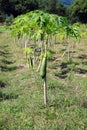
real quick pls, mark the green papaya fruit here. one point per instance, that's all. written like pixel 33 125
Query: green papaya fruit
pixel 43 67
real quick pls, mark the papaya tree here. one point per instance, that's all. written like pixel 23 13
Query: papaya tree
pixel 38 26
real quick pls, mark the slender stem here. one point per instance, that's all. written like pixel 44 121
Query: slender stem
pixel 34 56
pixel 39 66
pixel 45 92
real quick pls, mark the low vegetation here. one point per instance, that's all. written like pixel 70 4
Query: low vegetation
pixel 21 88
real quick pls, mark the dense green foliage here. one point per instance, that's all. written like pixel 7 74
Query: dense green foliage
pixel 40 24
pixel 76 12
pixel 16 7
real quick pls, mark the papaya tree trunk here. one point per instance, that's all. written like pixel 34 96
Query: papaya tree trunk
pixel 42 49
pixel 45 92
pixel 68 53
pixel 34 54
pixel 39 66
pixel 26 44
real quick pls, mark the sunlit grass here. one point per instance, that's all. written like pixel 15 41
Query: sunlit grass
pixel 21 90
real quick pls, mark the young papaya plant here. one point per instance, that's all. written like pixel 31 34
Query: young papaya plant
pixel 29 51
pixel 40 26
pixel 71 32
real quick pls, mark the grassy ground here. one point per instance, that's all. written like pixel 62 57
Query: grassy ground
pixel 21 90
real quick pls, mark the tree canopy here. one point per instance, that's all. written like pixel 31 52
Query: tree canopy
pixel 78 11
pixel 17 7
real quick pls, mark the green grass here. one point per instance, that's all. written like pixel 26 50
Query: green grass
pixel 21 90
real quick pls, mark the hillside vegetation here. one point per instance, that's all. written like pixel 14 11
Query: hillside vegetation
pixel 21 87
pixel 75 11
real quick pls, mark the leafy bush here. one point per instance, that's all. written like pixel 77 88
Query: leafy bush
pixel 2 17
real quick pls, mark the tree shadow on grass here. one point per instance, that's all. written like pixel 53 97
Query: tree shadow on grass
pixel 67 67
pixel 68 63
pixel 4 53
pixel 84 104
pixel 80 70
pixel 2 84
pixel 7 68
pixel 83 56
pixel 4 96
pixel 62 74
pixel 6 64
pixel 4 50
pixel 5 61
pixel 84 62
pixel 63 71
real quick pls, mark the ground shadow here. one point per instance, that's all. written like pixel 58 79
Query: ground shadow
pixel 84 104
pixel 83 56
pixel 67 67
pixel 4 96
pixel 5 61
pixel 84 62
pixel 80 70
pixel 62 73
pixel 4 52
pixel 2 84
pixel 8 68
